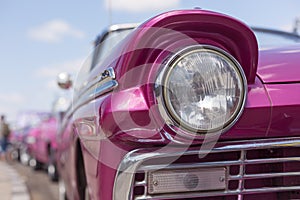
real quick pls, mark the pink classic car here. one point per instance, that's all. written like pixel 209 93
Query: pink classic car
pixel 42 145
pixel 19 138
pixel 185 106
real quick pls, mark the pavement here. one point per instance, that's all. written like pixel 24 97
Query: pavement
pixel 12 185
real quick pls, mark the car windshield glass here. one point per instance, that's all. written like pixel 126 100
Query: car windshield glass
pixel 109 41
pixel 268 38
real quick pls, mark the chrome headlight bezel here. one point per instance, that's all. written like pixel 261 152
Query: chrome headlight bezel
pixel 167 111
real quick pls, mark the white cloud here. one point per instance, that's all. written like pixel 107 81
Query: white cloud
pixel 54 31
pixel 141 5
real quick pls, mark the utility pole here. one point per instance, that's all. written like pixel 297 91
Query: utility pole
pixel 110 12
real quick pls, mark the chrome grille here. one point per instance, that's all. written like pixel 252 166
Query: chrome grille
pixel 269 168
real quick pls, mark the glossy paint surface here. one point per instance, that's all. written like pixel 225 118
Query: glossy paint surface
pixel 285 109
pixel 139 58
pixel 174 30
pixel 45 140
pixel 134 121
pixel 31 139
pixel 216 29
pixel 279 65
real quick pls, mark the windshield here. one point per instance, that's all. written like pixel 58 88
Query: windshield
pixel 265 37
pixel 107 42
pixel 274 38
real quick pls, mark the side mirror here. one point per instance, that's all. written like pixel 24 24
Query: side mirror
pixel 64 80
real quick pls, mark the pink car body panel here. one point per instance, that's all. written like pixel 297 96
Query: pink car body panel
pixel 33 135
pixel 279 65
pixel 45 140
pixel 272 110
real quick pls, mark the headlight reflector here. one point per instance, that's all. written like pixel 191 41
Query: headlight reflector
pixel 203 89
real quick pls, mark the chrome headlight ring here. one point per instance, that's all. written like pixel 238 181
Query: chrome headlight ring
pixel 201 89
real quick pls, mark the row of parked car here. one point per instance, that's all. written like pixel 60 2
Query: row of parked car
pixel 186 105
pixel 34 138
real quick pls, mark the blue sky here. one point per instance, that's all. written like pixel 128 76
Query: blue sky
pixel 41 38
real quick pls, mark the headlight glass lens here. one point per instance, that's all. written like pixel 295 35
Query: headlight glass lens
pixel 204 89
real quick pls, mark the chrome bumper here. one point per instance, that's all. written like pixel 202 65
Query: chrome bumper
pixel 135 161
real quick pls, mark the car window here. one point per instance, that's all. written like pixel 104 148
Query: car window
pixel 274 38
pixel 81 76
pixel 107 43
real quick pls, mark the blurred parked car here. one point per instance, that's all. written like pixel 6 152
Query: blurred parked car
pixel 24 123
pixel 42 139
pixel 42 147
pixel 185 106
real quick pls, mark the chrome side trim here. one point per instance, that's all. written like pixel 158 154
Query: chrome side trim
pixel 108 73
pixel 133 162
pixel 99 86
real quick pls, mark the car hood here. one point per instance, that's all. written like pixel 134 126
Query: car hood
pixel 279 65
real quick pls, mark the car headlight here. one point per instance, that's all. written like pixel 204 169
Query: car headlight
pixel 202 89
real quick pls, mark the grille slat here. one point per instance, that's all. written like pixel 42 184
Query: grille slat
pixel 211 194
pixel 271 160
pixel 142 183
pixel 266 173
pixel 222 163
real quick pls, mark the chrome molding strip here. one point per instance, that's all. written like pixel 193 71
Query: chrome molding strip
pixel 96 91
pixel 108 73
pixel 99 86
pixel 132 163
pixel 211 194
pixel 266 175
pixel 222 163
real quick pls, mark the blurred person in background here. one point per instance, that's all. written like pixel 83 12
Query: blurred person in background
pixel 4 135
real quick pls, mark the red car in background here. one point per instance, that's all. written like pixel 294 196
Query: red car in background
pixel 184 106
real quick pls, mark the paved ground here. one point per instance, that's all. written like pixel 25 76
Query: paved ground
pixel 39 185
pixel 19 182
pixel 12 185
